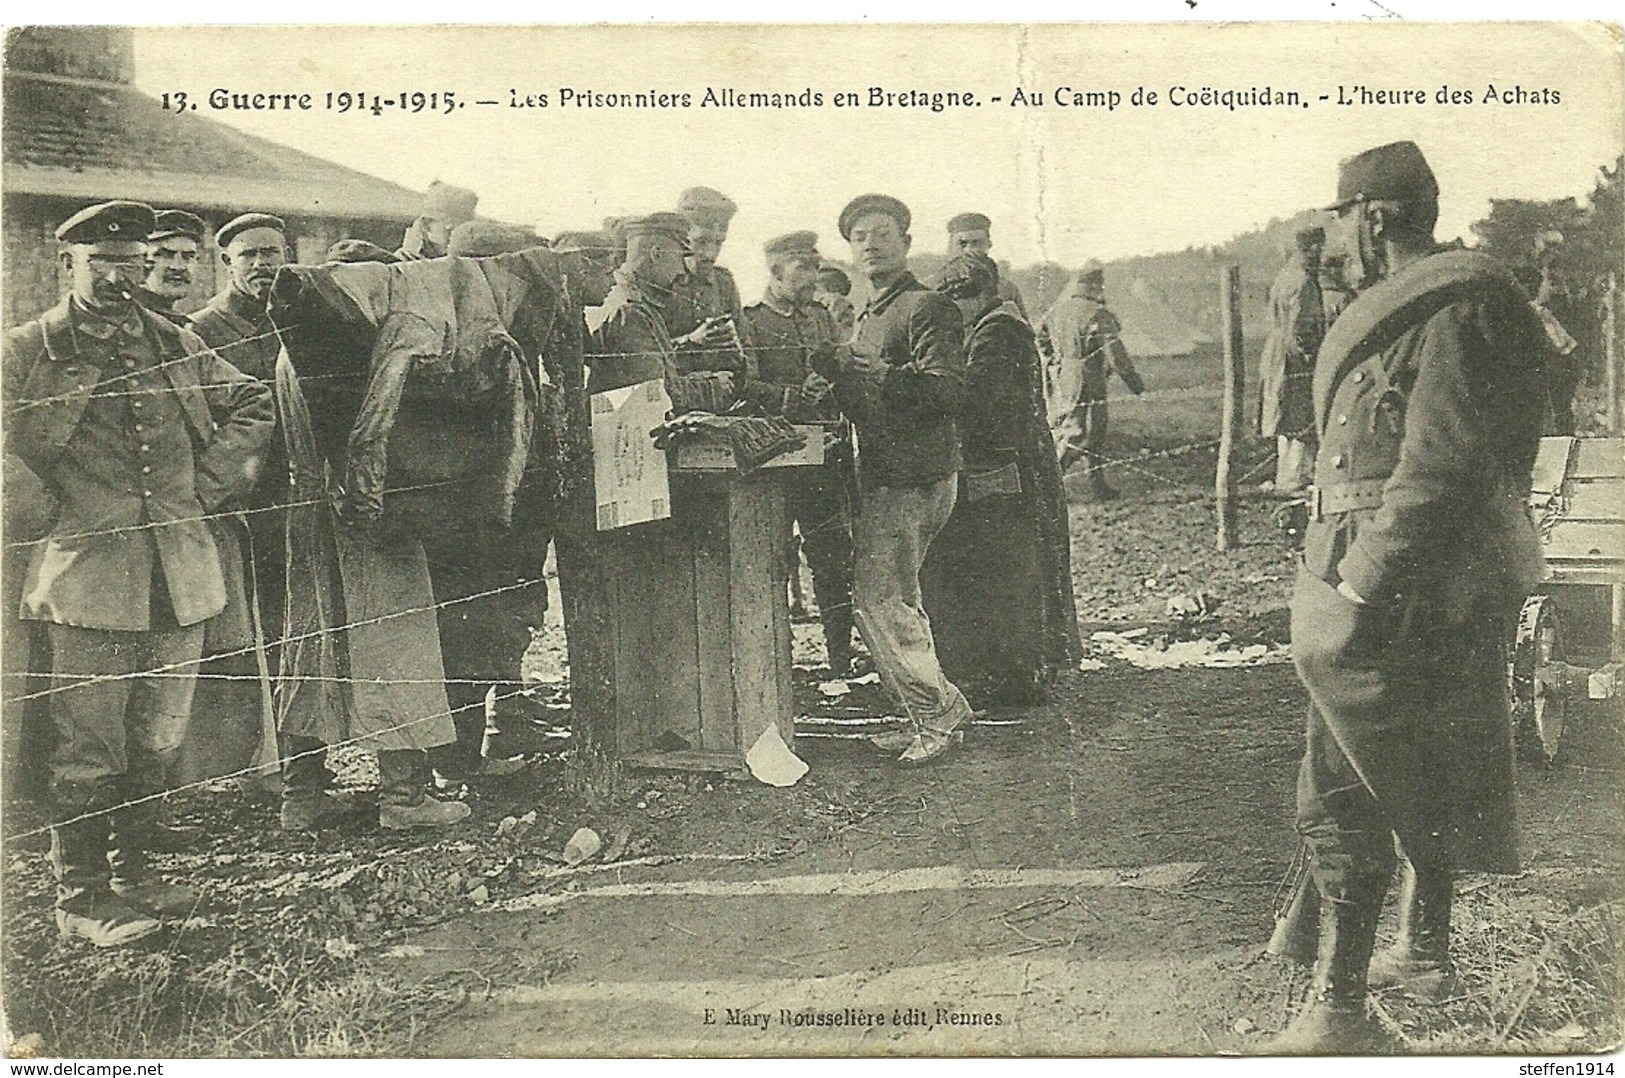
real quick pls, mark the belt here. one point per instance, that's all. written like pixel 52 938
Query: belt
pixel 1346 497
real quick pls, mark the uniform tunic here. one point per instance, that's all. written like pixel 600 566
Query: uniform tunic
pixel 694 297
pixel 781 338
pixel 138 431
pixel 1428 407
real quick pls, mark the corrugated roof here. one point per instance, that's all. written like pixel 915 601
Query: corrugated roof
pixel 77 138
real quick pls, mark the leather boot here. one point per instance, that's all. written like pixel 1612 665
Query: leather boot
pixel 838 641
pixel 132 877
pixel 1419 961
pixel 307 802
pixel 1335 1020
pixel 404 801
pixel 85 907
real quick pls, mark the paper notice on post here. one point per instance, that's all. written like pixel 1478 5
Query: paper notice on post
pixel 629 472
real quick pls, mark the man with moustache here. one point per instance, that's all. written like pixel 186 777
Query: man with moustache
pixel 902 384
pixel 1428 406
pixel 253 246
pixel 632 342
pixel 172 252
pixel 128 431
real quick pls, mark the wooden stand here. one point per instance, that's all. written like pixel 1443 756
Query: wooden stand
pixel 688 648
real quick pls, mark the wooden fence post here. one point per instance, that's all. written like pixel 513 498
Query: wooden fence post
pixel 1611 356
pixel 1224 481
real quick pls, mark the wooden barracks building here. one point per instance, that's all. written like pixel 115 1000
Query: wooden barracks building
pixel 77 131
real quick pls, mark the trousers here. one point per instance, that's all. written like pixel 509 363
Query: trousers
pixel 116 736
pixel 891 534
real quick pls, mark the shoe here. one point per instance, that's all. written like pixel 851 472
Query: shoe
pixel 314 813
pixel 1327 1027
pixel 891 742
pixel 105 920
pixel 1428 980
pixel 496 767
pixel 158 898
pixel 930 747
pixel 426 813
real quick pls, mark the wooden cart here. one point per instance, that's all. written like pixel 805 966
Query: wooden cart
pixel 1569 635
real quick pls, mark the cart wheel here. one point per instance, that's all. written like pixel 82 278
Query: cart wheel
pixel 1538 713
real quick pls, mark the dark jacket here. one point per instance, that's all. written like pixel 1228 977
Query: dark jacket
pixel 631 343
pixel 905 412
pixel 238 328
pixel 1081 342
pixel 694 297
pixel 94 567
pixel 780 340
pixel 1428 399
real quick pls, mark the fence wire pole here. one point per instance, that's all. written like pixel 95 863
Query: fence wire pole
pixel 1224 481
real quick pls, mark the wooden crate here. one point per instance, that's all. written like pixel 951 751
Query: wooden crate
pixel 697 626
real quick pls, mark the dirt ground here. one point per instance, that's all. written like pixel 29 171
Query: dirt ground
pixel 1093 876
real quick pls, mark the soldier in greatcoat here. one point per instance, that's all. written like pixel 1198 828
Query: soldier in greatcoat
pixel 126 431
pixel 1428 406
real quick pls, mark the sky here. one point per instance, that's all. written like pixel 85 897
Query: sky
pixel 1062 182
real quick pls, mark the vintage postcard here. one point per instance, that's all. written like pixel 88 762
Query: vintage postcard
pixel 815 540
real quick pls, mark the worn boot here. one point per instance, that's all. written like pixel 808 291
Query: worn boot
pixel 404 802
pixel 1335 1020
pixel 308 803
pixel 133 879
pixel 1419 961
pixel 85 907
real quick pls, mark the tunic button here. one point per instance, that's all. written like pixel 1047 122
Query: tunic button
pixel 1341 421
pixel 146 469
pixel 146 493
pixel 1359 376
pixel 145 447
pixel 1337 461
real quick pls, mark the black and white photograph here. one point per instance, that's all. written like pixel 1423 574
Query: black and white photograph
pixel 853 539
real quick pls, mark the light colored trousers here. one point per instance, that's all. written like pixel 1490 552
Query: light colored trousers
pixel 891 533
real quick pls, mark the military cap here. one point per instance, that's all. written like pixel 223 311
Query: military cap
pixel 130 221
pixel 167 223
pixel 1395 171
pixel 968 222
pixel 1311 237
pixel 1092 273
pixel 479 239
pixel 835 279
pixel 450 203
pixel 968 275
pixel 360 251
pixel 673 225
pixel 230 230
pixel 597 243
pixel 795 243
pixel 706 202
pixel 863 204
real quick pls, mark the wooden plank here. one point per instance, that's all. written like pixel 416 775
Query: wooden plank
pixel 727 763
pixel 751 598
pixel 1598 458
pixel 1586 542
pixel 1551 465
pixel 1593 499
pixel 718 720
pixel 709 451
pixel 782 642
pixel 656 646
